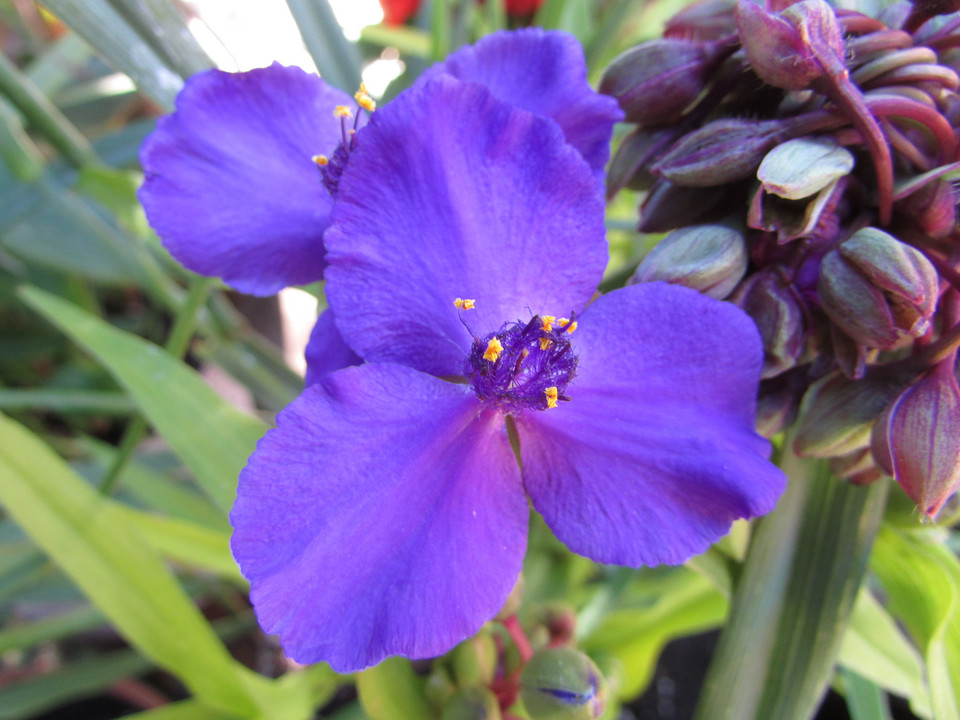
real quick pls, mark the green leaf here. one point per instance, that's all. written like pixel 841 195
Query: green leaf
pixel 104 402
pixel 687 603
pixel 876 650
pixel 865 700
pixel 183 710
pixel 922 581
pixel 22 637
pixel 160 24
pixel 212 437
pixel 121 46
pixel 408 40
pixel 393 691
pixel 90 538
pixel 801 576
pixel 337 59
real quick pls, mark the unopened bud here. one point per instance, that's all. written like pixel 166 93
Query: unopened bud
pixel 932 209
pixel 778 400
pixel 711 259
pixel 638 149
pixel 471 703
pixel 837 413
pixel 879 290
pixel 775 309
pixel 719 152
pixel 703 20
pixel 668 206
pixel 802 167
pixel 439 686
pixel 474 661
pixel 795 48
pixel 916 439
pixel 654 82
pixel 562 684
pixel 559 620
pixel 858 467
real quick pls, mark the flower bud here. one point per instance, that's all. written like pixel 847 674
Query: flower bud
pixel 474 661
pixel 654 82
pixel 562 684
pixel 932 209
pixel 778 400
pixel 858 467
pixel 558 619
pixel 916 439
pixel 879 290
pixel 668 206
pixel 793 49
pixel 471 703
pixel 836 413
pixel 719 152
pixel 439 685
pixel 711 259
pixel 703 20
pixel 775 309
pixel 639 147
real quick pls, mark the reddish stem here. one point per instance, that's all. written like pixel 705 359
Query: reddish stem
pixel 519 637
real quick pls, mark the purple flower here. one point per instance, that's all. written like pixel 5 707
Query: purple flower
pixel 232 187
pixel 387 513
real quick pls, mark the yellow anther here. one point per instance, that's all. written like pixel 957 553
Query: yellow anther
pixel 548 321
pixel 565 323
pixel 362 90
pixel 494 348
pixel 366 102
pixel 572 327
pixel 551 393
pixel 320 160
pixel 342 111
pixel 545 343
pixel 464 304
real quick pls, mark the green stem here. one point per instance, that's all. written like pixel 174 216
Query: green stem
pixel 176 345
pixel 44 115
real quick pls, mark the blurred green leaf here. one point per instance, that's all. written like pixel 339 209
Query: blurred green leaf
pixel 21 637
pixel 408 40
pixel 17 151
pixel 875 649
pixel 105 402
pixel 337 59
pixel 213 438
pixel 160 24
pixel 393 691
pixel 572 16
pixel 792 603
pixel 183 710
pixel 120 44
pixel 865 700
pixel 92 541
pixel 922 581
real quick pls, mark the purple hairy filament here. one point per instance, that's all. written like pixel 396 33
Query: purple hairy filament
pixel 524 366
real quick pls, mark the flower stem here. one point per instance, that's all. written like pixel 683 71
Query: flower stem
pixel 519 637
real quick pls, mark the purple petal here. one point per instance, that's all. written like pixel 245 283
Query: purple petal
pixel 326 351
pixel 385 515
pixel 544 72
pixel 655 455
pixel 453 193
pixel 231 187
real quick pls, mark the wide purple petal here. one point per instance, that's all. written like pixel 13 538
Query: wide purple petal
pixel 542 71
pixel 453 193
pixel 326 351
pixel 231 187
pixel 655 454
pixel 385 515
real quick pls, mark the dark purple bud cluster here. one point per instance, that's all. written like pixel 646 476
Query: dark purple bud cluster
pixel 827 140
pixel 524 366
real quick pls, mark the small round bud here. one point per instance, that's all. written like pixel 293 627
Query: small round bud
pixel 562 684
pixel 711 259
pixel 474 661
pixel 439 686
pixel 776 310
pixel 557 619
pixel 471 703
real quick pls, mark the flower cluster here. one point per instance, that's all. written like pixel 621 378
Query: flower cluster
pixel 804 154
pixel 461 243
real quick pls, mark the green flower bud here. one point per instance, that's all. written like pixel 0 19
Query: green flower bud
pixel 916 439
pixel 879 290
pixel 654 82
pixel 439 686
pixel 711 259
pixel 802 167
pixel 471 703
pixel 775 309
pixel 474 661
pixel 562 684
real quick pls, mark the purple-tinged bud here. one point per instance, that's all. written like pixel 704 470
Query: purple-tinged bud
pixel 668 206
pixel 720 152
pixel 558 619
pixel 703 20
pixel 858 467
pixel 471 703
pixel 932 209
pixel 711 259
pixel 794 49
pixel 916 439
pixel 879 290
pixel 836 413
pixel 562 684
pixel 778 400
pixel 776 310
pixel 656 81
pixel 639 148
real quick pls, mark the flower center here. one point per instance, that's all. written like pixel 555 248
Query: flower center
pixel 332 166
pixel 523 366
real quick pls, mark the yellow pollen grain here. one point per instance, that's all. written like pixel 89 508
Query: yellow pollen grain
pixel 545 343
pixel 494 348
pixel 548 321
pixel 320 160
pixel 551 393
pixel 342 111
pixel 464 304
pixel 565 323
pixel 572 327
pixel 366 102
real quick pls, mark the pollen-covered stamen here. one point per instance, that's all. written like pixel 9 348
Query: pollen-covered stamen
pixel 364 100
pixel 531 369
pixel 332 166
pixel 464 304
pixel 321 160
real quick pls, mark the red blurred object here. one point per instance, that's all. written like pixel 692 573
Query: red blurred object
pixel 397 12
